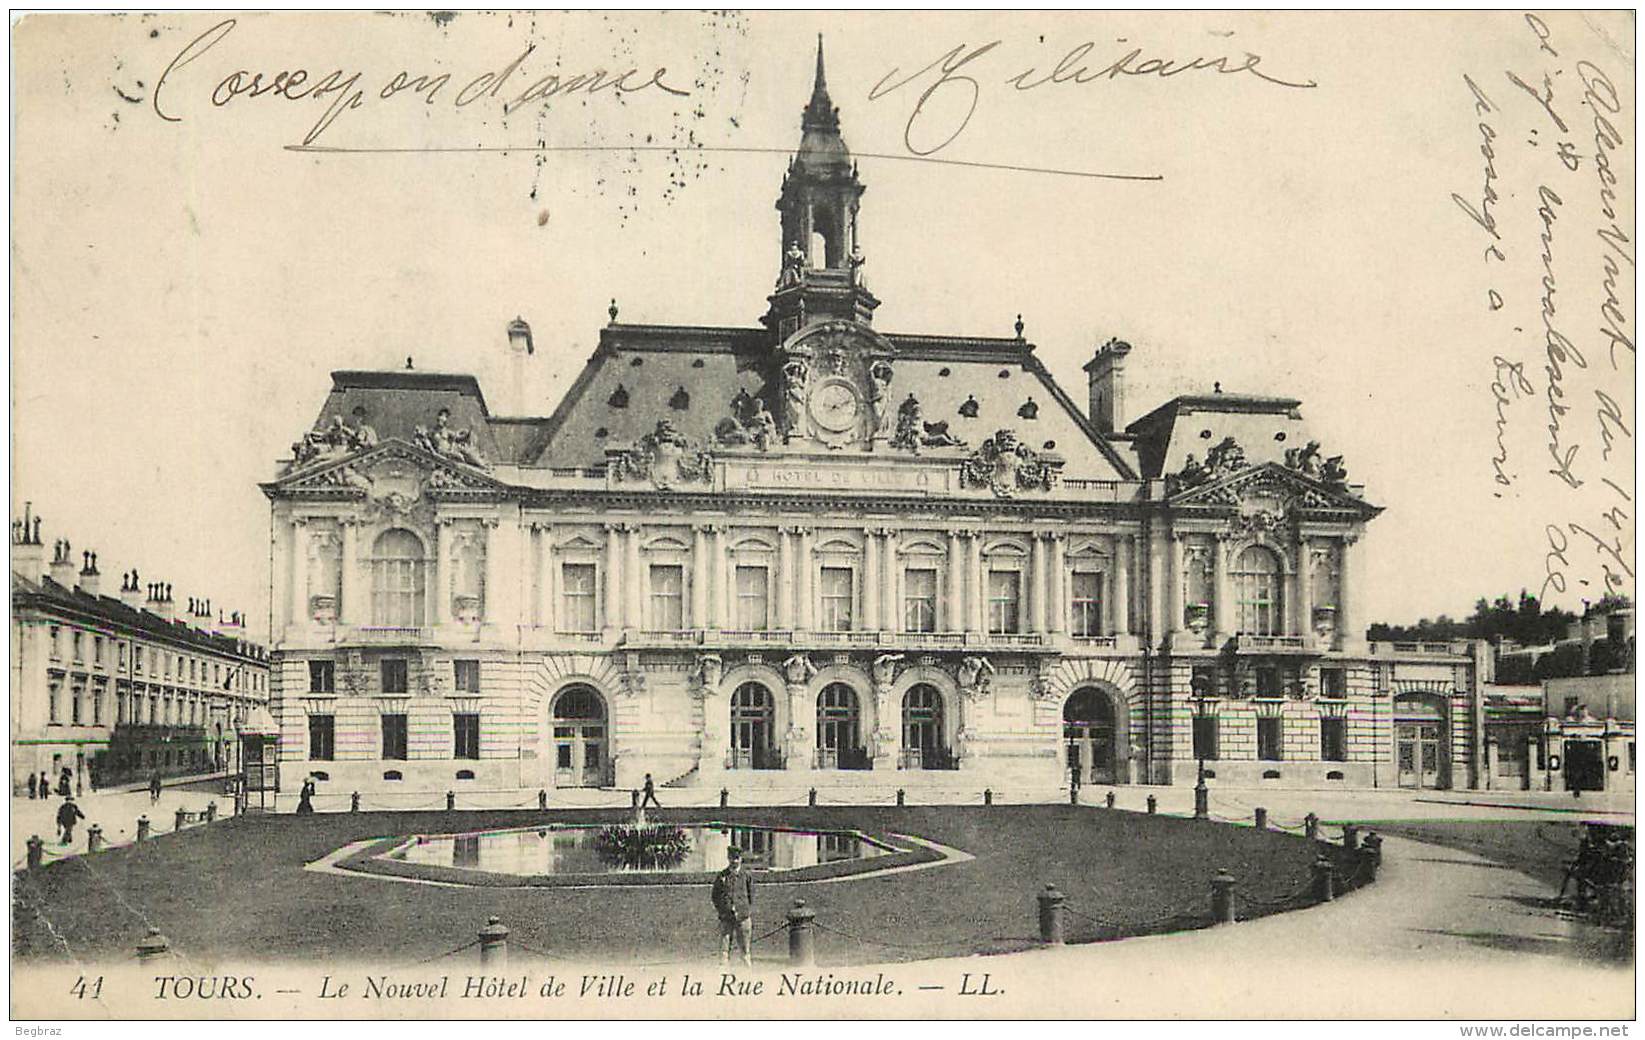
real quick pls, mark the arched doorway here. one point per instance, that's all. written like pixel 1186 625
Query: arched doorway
pixel 924 739
pixel 839 745
pixel 1088 732
pixel 753 722
pixel 1419 741
pixel 581 737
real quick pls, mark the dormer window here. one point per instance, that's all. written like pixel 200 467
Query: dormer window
pixel 619 397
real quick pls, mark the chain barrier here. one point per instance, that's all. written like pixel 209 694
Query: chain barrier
pixel 442 956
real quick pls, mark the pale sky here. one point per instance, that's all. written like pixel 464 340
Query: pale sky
pixel 181 290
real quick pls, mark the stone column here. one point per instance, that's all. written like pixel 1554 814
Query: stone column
pixel 498 607
pixel 438 583
pixel 348 611
pixel 543 535
pixel 785 580
pixel 888 581
pixel 977 606
pixel 1349 628
pixel 1037 583
pixel 870 579
pixel 633 579
pixel 1222 596
pixel 701 577
pixel 954 587
pixel 1056 605
pixel 1175 578
pixel 293 607
pixel 1122 586
pixel 1303 603
pixel 725 576
pixel 613 619
pixel 806 608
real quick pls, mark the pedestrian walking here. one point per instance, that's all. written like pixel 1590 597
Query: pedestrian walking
pixel 154 789
pixel 67 814
pixel 305 798
pixel 649 794
pixel 45 788
pixel 34 786
pixel 65 784
pixel 80 783
pixel 733 897
pixel 1075 775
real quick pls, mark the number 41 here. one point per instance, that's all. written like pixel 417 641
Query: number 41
pixel 80 989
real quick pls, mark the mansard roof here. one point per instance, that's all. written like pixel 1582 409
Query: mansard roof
pixel 1265 427
pixel 47 594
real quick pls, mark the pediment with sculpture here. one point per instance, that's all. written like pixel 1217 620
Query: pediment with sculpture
pixel 1265 495
pixel 392 478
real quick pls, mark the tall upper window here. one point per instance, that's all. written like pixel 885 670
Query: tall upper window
pixel 397 579
pixel 466 735
pixel 1257 588
pixel 79 694
pixel 466 676
pixel 394 675
pixel 837 599
pixel 577 591
pixel 1333 740
pixel 79 647
pixel 667 596
pixel 753 598
pixel 919 600
pixel 97 706
pixel 1270 741
pixel 1004 601
pixel 1086 603
pixel 1205 736
pixel 54 694
pixel 322 676
pixel 322 737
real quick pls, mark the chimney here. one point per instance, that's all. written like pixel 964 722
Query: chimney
pixel 233 625
pixel 90 580
pixel 159 600
pixel 62 563
pixel 131 593
pixel 1105 374
pixel 519 348
pixel 28 556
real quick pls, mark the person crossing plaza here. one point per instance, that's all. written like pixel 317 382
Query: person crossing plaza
pixel 67 816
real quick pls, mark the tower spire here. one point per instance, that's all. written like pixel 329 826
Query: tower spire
pixel 820 113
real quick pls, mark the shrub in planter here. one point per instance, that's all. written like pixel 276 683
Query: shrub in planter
pixel 642 848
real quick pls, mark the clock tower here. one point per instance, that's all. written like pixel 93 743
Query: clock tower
pixel 821 263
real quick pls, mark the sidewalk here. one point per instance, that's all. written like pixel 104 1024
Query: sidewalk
pixel 116 811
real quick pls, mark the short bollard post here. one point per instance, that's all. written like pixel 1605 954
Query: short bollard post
pixel 1350 837
pixel 239 801
pixel 182 816
pixel 633 799
pixel 811 797
pixel 94 838
pixel 494 944
pixel 1262 818
pixel 37 852
pixel 1372 844
pixel 1324 883
pixel 1222 897
pixel 354 802
pixel 153 945
pixel 142 828
pixel 211 812
pixel 1202 801
pixel 1310 827
pixel 1073 795
pixel 988 796
pixel 802 946
pixel 1051 901
pixel 1153 805
pixel 451 800
pixel 1109 801
pixel 902 796
pixel 725 798
pixel 542 799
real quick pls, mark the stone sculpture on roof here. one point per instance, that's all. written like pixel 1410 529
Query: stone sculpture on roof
pixel 449 442
pixel 1005 465
pixel 664 457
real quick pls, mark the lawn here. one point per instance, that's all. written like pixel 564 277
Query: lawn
pixel 237 890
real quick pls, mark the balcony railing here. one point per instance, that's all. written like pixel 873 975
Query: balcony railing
pixel 842 758
pixel 1453 648
pixel 389 635
pixel 1245 642
pixel 926 758
pixel 777 636
pixel 664 637
pixel 755 758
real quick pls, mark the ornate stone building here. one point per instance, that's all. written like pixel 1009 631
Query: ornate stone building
pixel 118 689
pixel 812 552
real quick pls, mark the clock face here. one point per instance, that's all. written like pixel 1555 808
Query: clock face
pixel 835 407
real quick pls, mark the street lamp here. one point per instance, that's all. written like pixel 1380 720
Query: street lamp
pixel 1202 794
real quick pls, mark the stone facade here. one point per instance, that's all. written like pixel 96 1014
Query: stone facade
pixel 118 689
pixel 810 552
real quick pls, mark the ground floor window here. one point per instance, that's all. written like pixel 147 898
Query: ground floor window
pixel 1205 737
pixel 1270 746
pixel 394 736
pixel 1333 740
pixel 466 728
pixel 322 737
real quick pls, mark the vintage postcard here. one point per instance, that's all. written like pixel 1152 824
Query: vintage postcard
pixel 984 515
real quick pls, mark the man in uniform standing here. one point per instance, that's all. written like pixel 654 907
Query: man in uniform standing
pixel 733 897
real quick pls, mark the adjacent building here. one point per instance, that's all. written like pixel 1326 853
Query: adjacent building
pixel 813 552
pixel 117 689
